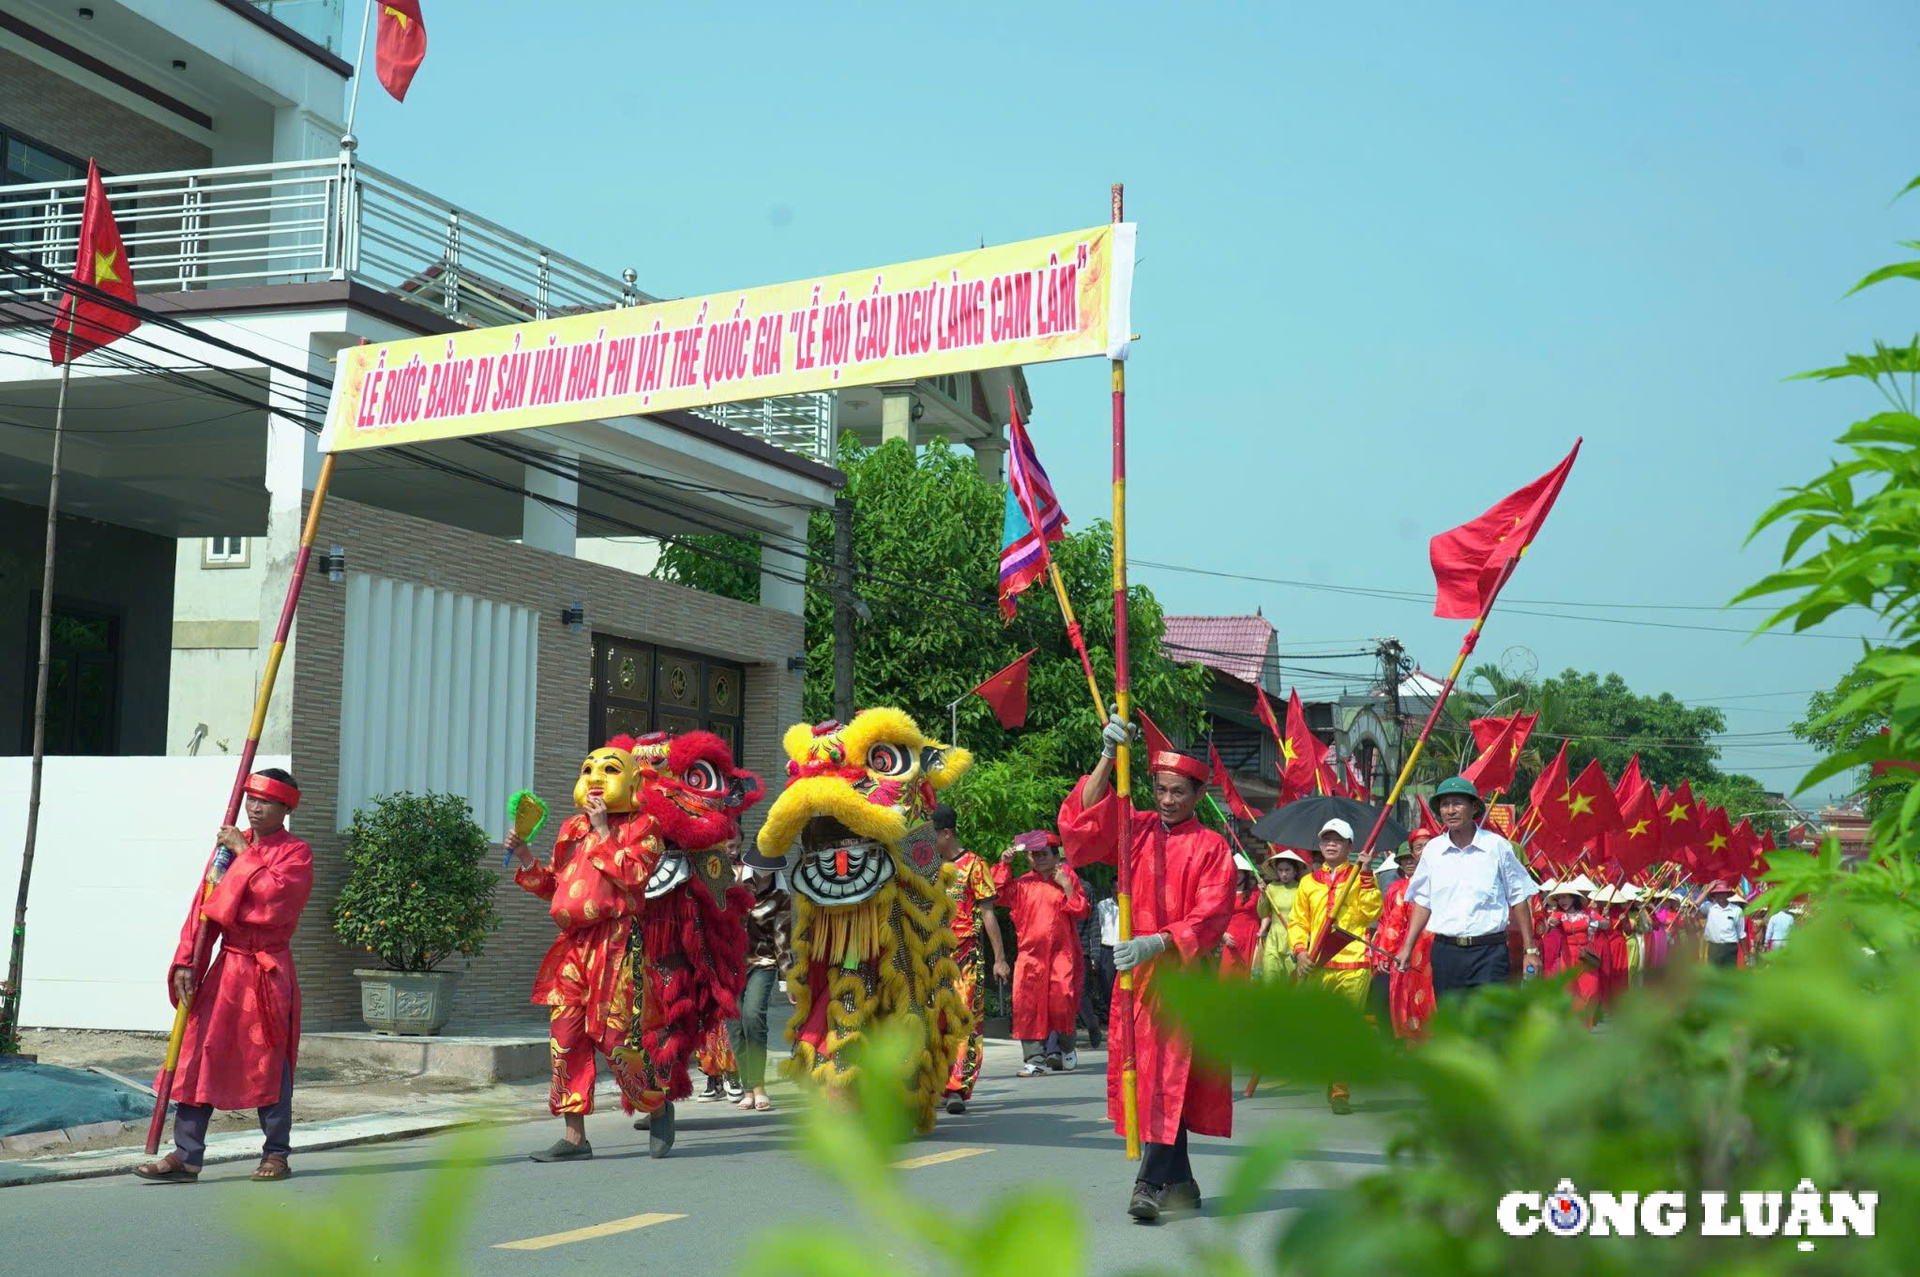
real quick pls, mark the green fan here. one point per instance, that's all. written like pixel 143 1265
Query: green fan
pixel 526 814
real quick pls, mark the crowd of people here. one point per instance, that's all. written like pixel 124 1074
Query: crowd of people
pixel 709 933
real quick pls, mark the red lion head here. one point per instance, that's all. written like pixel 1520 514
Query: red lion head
pixel 691 789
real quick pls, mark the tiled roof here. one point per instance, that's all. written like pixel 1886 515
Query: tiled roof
pixel 1237 646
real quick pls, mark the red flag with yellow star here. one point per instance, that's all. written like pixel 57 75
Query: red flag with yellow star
pixel 1471 561
pixel 1300 752
pixel 402 46
pixel 1230 791
pixel 84 322
pixel 1636 844
pixel 1588 807
pixel 1679 819
pixel 1500 741
pixel 1715 845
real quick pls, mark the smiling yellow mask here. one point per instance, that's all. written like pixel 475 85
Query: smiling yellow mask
pixel 611 771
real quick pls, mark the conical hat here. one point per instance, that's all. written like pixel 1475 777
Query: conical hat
pixel 1577 886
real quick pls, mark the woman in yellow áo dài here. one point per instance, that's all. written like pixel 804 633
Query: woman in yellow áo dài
pixel 1346 971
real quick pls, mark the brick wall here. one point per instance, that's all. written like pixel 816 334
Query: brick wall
pixel 397 546
pixel 51 109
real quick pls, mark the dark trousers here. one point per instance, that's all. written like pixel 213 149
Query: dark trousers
pixel 1092 1013
pixel 276 1123
pixel 1457 968
pixel 1055 1044
pixel 1164 1164
pixel 749 1032
pixel 1724 955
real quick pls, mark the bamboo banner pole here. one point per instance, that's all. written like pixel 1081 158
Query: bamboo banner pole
pixel 17 950
pixel 202 940
pixel 1122 695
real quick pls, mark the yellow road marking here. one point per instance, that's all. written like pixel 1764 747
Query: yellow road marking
pixel 591 1231
pixel 934 1159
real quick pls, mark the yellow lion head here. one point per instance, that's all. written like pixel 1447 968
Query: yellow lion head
pixel 858 803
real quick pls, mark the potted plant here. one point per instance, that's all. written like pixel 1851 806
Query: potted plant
pixel 417 893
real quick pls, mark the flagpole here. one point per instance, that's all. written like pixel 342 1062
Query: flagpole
pixel 17 951
pixel 1122 696
pixel 353 98
pixel 202 939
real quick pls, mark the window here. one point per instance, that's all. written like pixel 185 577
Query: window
pixel 224 552
pixel 30 163
pixel 437 694
pixel 83 680
pixel 639 688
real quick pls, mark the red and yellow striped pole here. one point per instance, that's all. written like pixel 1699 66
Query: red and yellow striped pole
pixel 163 1091
pixel 1123 886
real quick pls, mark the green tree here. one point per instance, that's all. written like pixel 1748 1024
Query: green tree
pixel 1834 733
pixel 926 549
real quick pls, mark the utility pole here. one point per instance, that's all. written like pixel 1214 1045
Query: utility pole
pixel 1390 653
pixel 843 609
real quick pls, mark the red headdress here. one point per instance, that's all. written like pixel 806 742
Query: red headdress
pixel 1181 765
pixel 274 791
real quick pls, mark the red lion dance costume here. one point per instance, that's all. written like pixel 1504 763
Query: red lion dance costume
pixel 688 946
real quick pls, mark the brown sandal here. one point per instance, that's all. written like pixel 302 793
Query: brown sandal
pixel 272 1166
pixel 168 1170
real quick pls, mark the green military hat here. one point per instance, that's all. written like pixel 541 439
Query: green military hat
pixel 1458 786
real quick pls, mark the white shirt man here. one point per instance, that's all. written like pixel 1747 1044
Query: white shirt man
pixel 1468 889
pixel 1724 927
pixel 1778 928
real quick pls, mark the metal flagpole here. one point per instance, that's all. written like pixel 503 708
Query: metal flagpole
pixel 17 952
pixel 202 939
pixel 1123 886
pixel 353 98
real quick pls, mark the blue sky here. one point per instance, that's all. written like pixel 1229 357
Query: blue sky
pixel 1394 258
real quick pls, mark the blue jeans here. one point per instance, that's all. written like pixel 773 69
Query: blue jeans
pixel 749 1032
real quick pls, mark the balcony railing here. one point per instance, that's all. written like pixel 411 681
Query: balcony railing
pixel 306 221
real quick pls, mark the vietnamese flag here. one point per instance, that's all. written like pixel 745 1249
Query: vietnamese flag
pixel 1715 846
pixel 1264 712
pixel 1235 803
pixel 1679 818
pixel 1472 561
pixel 1300 751
pixel 1636 844
pixel 1547 788
pixel 402 45
pixel 1630 780
pixel 83 322
pixel 1152 737
pixel 1500 742
pixel 1006 692
pixel 1588 807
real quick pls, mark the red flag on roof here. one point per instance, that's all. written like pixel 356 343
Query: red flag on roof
pixel 1471 561
pixel 84 322
pixel 402 45
pixel 1006 692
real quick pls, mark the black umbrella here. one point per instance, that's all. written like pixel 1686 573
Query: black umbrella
pixel 1298 823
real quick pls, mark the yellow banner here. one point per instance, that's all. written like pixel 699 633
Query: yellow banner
pixel 1060 297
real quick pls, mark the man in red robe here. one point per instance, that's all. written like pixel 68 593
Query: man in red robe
pixel 1182 887
pixel 601 862
pixel 1046 904
pixel 243 1023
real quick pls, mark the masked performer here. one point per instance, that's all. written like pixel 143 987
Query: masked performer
pixel 243 1027
pixel 689 944
pixel 600 860
pixel 873 941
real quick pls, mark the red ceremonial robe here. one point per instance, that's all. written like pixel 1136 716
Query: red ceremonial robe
pixel 1237 951
pixel 1182 884
pixel 1409 992
pixel 243 1030
pixel 1047 963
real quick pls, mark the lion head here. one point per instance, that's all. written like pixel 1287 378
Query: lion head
pixel 858 804
pixel 693 793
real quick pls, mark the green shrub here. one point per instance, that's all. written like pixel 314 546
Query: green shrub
pixel 417 889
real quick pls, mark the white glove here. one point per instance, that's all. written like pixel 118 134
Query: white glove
pixel 1116 733
pixel 1128 954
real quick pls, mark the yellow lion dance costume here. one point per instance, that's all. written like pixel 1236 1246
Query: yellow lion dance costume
pixel 873 938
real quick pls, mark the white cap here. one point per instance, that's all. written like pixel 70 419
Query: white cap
pixel 1338 826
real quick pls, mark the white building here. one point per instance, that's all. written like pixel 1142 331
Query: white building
pixel 435 655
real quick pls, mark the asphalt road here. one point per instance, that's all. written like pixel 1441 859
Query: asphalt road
pixel 731 1178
